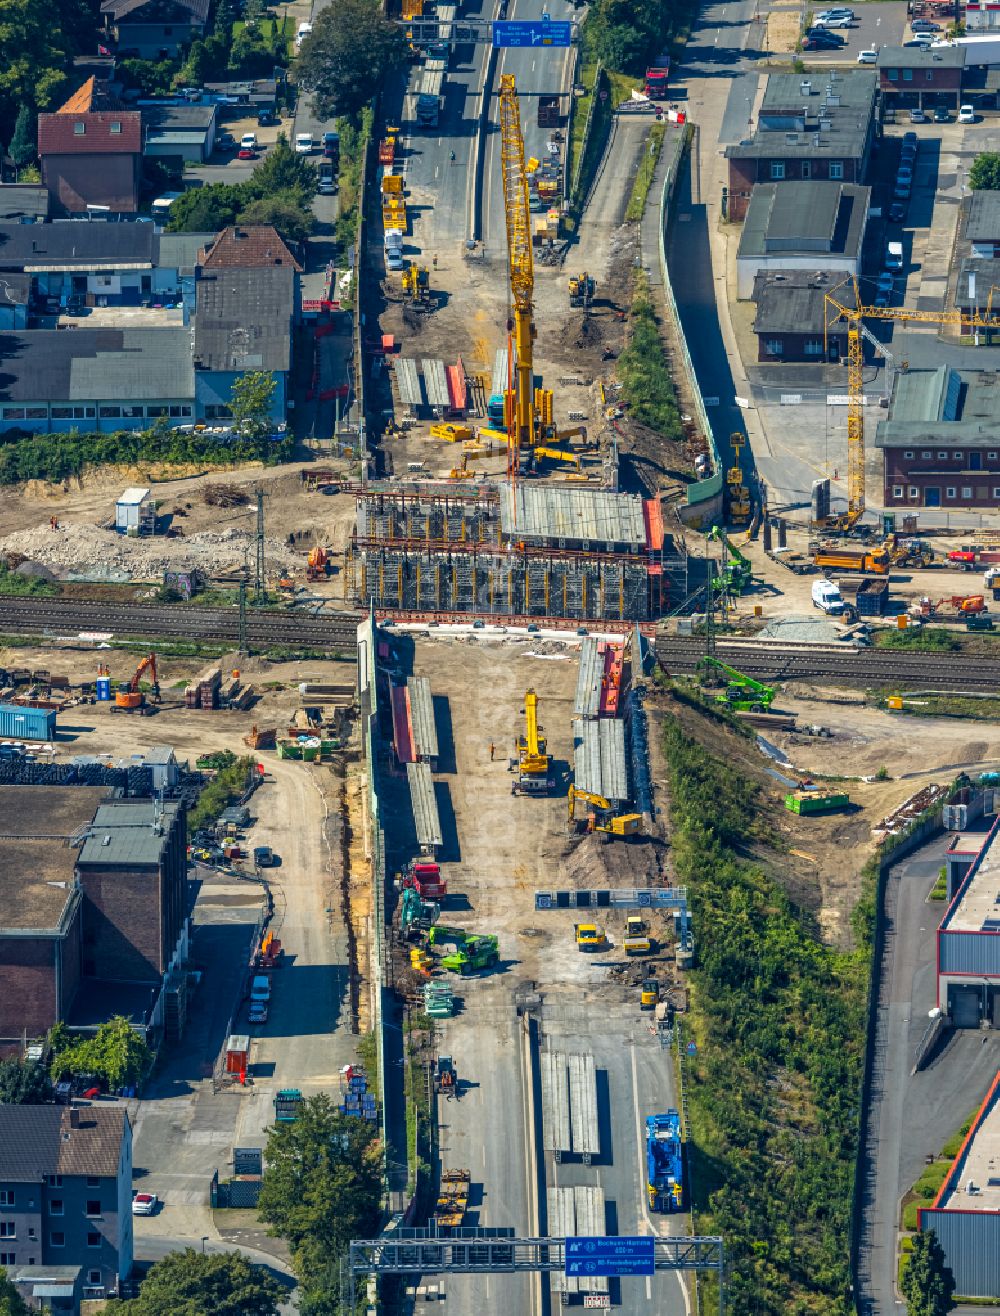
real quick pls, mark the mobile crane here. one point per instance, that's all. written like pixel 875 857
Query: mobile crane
pixel 601 816
pixel 742 693
pixel 736 574
pixel 129 697
pixel 533 759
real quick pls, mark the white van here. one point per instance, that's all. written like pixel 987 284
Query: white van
pixel 827 597
pixel 894 256
pixel 260 988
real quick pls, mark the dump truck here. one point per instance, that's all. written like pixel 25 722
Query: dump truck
pixel 589 937
pixel 548 111
pixel 453 1198
pixel 664 1162
pixel 425 878
pixel 429 93
pixel 841 557
pixel 657 77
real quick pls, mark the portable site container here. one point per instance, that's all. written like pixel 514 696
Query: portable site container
pixel 20 723
pixel 815 802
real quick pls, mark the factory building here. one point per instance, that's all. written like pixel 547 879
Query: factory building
pixel 968 940
pixel 521 550
pixel 965 1215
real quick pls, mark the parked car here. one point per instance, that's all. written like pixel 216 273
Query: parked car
pixel 838 11
pixel 304 30
pixel 825 34
pixel 924 25
pixel 941 114
pixel 867 56
pixel 326 178
pixel 246 153
pixel 966 114
pixel 225 142
pixel 839 20
pixel 918 116
pixel 915 42
pixel 304 144
pixel 395 261
pixel 911 139
pixel 145 1203
pixel 249 140
pixel 822 41
pixel 266 119
pixel 904 174
pixel 331 146
pixel 902 190
pixel 897 212
pixel 258 1013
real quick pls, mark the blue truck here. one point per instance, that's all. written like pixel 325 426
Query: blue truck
pixel 664 1162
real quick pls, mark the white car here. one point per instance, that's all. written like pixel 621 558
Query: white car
pixel 867 56
pixel 304 30
pixel 394 260
pixel 144 1203
pixel 966 114
pixel 248 142
pixel 304 144
pixel 838 20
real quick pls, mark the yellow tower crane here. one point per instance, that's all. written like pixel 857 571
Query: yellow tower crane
pixel 835 310
pixel 521 265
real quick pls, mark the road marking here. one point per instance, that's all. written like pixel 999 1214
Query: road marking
pixel 533 65
pixel 437 170
pixel 642 1216
pixel 484 1158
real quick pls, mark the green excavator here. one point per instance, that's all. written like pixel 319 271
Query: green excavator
pixel 472 950
pixel 736 573
pixel 742 693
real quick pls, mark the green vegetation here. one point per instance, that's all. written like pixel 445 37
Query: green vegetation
pixel 627 34
pixel 984 176
pixel 39 42
pixel 190 1283
pixel 929 1184
pixel 647 385
pixel 923 639
pixel 927 1283
pixel 222 758
pixel 116 1053
pixel 280 191
pixel 354 134
pixel 779 1019
pixel 253 394
pixel 368 1055
pixel 986 709
pixel 11 582
pixel 56 457
pixel 418 1105
pixel 224 789
pixel 11 1302
pixel 644 176
pixel 22 144
pixel 322 1187
pixel 939 891
pixel 578 112
pixel 345 59
pixel 23 1083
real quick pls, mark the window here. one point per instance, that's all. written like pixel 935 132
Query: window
pixel 807 169
pixel 914 491
pixel 836 168
pixel 926 455
pixel 93 1181
pixel 929 75
pixel 942 456
pixel 56 1206
pixel 178 409
pixel 156 411
pixel 93 1207
pixel 909 454
pixel 774 347
pixel 79 129
pixel 6 1197
pixel 93 1238
pixel 777 169
pixel 813 347
pixel 996 493
pixel 892 75
pixel 36 413
pixel 13 413
pixel 8 1258
pixel 8 1229
pixel 967 491
pixel 950 492
pixel 54 1180
pixel 109 413
pixel 57 1238
pixel 992 456
pixel 897 491
pixel 93 1277
pixel 907 75
pixel 132 412
pixel 115 127
pixel 62 413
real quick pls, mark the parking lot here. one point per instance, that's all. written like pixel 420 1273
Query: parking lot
pixel 224 167
pixel 875 25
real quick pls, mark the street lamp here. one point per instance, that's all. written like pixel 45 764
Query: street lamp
pixel 204 1240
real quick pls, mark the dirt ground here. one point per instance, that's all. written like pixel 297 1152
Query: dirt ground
pixel 784 27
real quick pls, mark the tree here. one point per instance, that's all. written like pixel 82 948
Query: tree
pixel 984 176
pixel 293 221
pixel 251 407
pixel 24 1083
pixel 625 32
pixel 282 171
pixel 207 209
pixel 927 1283
pixel 22 144
pixel 322 1187
pixel 117 1054
pixel 11 1302
pixel 344 61
pixel 191 1283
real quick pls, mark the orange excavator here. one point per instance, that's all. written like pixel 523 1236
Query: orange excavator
pixel 316 563
pixel 129 696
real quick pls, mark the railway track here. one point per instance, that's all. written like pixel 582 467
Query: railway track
pixel 62 617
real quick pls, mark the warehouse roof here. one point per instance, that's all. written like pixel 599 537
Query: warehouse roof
pixel 982 217
pixel 942 406
pixel 976 908
pixel 243 317
pixel 125 833
pixel 90 364
pixel 179 251
pixel 72 244
pixel 553 512
pixel 179 118
pixel 599 758
pixel 794 301
pixel 21 201
pixel 829 114
pixel 982 276
pixel 973 1182
pixel 42 1140
pixel 37 859
pixel 808 218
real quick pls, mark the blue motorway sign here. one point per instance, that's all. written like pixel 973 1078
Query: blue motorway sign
pixel 541 33
pixel 610 1256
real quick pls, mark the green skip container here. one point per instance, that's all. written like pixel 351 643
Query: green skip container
pixel 815 801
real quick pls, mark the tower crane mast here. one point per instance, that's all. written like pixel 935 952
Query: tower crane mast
pixel 520 263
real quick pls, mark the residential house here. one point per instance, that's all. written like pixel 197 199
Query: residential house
pixel 90 152
pixel 793 321
pixel 153 29
pixel 180 133
pixel 818 126
pixel 23 203
pixel 911 77
pixel 248 246
pixel 89 928
pixel 791 226
pixel 259 95
pixel 66 1198
pixel 941 441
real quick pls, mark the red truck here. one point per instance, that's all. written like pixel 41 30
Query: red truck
pixel 657 76
pixel 427 879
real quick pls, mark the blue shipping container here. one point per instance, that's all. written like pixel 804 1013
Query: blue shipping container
pixel 17 723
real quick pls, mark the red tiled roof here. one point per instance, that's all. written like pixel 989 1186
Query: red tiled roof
pixel 247 246
pixel 89 105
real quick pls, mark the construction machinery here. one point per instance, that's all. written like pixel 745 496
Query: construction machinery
pixel 637 940
pixel 446 1077
pixel 452 433
pixel 736 573
pixel 664 1162
pixel 600 815
pixel 841 557
pixel 472 950
pixel 589 937
pixel 425 878
pixel 582 289
pixel 953 605
pixel 317 563
pixel 909 552
pixel 416 915
pixel 649 994
pixel 416 282
pixel 743 693
pixel 453 1198
pixel 836 310
pixel 532 758
pixel 129 697
pixel 739 506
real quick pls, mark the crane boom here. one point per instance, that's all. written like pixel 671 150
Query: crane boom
pixel 520 262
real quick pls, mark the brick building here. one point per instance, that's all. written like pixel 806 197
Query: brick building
pixel 90 152
pixel 65 1200
pixel 915 78
pixel 941 441
pixel 792 315
pixel 794 226
pixel 93 907
pixel 819 126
